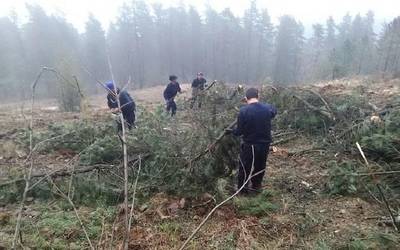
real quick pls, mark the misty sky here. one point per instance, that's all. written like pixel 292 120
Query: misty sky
pixel 307 11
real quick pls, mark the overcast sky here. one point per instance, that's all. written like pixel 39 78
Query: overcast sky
pixel 307 11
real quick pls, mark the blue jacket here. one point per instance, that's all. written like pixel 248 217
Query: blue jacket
pixel 171 90
pixel 128 106
pixel 254 123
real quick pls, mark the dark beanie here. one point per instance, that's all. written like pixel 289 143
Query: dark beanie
pixel 252 93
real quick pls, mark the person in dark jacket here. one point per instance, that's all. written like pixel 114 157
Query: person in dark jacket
pixel 198 85
pixel 128 106
pixel 170 93
pixel 254 127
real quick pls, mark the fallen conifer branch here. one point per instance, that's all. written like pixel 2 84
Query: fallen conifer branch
pixel 212 145
pixel 375 180
pixel 324 101
pixel 368 174
pixel 66 173
pixel 313 108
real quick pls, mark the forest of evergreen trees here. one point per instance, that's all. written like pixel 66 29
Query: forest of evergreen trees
pixel 149 42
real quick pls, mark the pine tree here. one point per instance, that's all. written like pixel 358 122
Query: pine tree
pixel 289 43
pixel 94 48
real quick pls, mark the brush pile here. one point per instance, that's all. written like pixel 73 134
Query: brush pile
pixel 187 155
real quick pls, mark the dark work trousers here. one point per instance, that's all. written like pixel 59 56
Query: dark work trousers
pixel 171 106
pixel 197 95
pixel 246 162
pixel 129 121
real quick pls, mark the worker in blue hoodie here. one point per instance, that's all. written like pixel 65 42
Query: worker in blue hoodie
pixel 170 93
pixel 254 128
pixel 128 106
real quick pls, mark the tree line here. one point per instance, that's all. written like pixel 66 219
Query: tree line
pixel 146 43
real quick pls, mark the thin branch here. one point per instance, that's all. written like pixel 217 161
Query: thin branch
pixel 222 203
pixel 211 85
pixel 59 173
pixel 75 210
pixel 134 193
pixel 125 157
pixel 29 174
pixel 43 142
pixel 324 101
pixel 376 181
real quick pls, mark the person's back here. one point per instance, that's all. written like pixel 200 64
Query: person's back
pixel 126 101
pixel 169 94
pixel 171 90
pixel 254 123
pixel 128 106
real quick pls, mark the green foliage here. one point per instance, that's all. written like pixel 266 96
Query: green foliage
pixel 341 178
pixel 382 141
pixel 75 136
pixel 322 245
pixel 60 229
pixel 103 150
pixel 171 227
pixel 94 192
pixel 258 205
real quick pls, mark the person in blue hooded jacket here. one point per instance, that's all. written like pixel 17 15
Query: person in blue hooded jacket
pixel 254 128
pixel 128 106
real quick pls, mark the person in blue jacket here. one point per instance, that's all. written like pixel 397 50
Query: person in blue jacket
pixel 170 92
pixel 128 106
pixel 254 128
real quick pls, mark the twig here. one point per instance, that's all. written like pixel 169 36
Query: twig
pixel 125 157
pixel 99 241
pixel 134 193
pixel 212 84
pixel 44 141
pixel 60 173
pixel 222 203
pixel 324 101
pixel 375 180
pixel 71 180
pixel 29 174
pixel 112 233
pixel 75 210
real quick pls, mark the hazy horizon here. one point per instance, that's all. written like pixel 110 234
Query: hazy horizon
pixel 307 11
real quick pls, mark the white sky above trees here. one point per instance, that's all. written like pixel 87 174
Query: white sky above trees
pixel 306 11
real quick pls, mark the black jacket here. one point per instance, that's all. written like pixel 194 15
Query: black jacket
pixel 199 83
pixel 171 90
pixel 254 123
